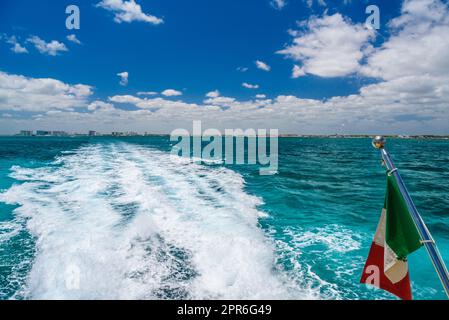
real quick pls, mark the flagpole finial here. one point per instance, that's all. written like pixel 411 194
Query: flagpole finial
pixel 379 142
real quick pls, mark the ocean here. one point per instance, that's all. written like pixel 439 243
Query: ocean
pixel 115 218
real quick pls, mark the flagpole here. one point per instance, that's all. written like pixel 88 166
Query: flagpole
pixel 426 237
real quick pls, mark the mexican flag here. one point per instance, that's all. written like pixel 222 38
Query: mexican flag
pixel 396 237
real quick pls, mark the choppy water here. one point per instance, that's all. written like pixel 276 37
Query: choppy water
pixel 126 222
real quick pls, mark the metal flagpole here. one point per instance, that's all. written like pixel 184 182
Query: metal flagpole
pixel 426 237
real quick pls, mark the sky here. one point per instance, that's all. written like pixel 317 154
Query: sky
pixel 300 66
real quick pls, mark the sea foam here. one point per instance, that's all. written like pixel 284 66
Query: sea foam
pixel 122 221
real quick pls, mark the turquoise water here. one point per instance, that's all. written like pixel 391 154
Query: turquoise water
pixel 106 218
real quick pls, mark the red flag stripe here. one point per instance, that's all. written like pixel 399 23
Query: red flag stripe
pixel 373 274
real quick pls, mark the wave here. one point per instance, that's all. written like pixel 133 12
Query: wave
pixel 303 253
pixel 8 230
pixel 122 221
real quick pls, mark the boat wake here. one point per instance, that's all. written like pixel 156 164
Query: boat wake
pixel 122 221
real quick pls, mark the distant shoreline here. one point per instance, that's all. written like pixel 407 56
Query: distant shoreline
pixel 335 136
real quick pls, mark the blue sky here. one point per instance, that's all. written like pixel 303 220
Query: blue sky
pixel 203 46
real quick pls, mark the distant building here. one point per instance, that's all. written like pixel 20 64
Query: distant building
pixel 92 133
pixel 59 133
pixel 26 133
pixel 124 134
pixel 43 133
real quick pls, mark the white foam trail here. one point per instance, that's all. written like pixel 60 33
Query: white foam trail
pixel 121 221
pixel 8 230
pixel 333 237
pixel 322 247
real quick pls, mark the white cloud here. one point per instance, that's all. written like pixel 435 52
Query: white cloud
pixel 419 44
pixel 154 103
pixel 16 46
pixel 213 94
pixel 260 96
pixel 147 93
pixel 262 65
pixel 278 4
pixel 250 86
pixel 51 48
pixel 126 99
pixel 320 2
pixel 100 105
pixel 419 12
pixel 410 99
pixel 220 101
pixel 123 78
pixel 330 46
pixel 242 69
pixel 73 38
pixel 375 109
pixel 297 72
pixel 128 11
pixel 171 93
pixel 21 93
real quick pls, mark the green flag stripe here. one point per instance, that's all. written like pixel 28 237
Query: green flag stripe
pixel 401 233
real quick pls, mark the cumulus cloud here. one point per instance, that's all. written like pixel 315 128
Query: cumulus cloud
pixel 220 101
pixel 213 94
pixel 153 103
pixel 278 4
pixel 360 113
pixel 100 105
pixel 250 86
pixel 297 72
pixel 411 99
pixel 382 107
pixel 171 93
pixel 126 99
pixel 419 44
pixel 128 11
pixel 262 65
pixel 123 78
pixel 51 48
pixel 147 93
pixel 320 2
pixel 21 93
pixel 260 96
pixel 330 46
pixel 16 46
pixel 242 69
pixel 73 38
